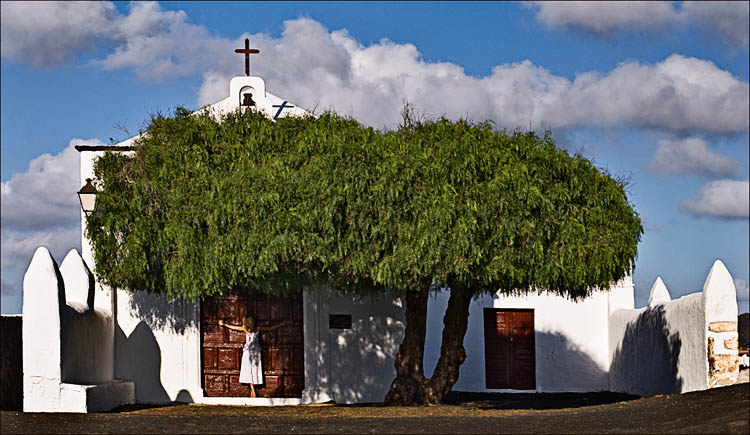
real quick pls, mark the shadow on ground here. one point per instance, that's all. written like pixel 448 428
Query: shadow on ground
pixel 143 406
pixel 511 401
pixel 507 401
pixel 535 400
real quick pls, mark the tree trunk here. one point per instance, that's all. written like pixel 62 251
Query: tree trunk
pixel 409 364
pixel 452 353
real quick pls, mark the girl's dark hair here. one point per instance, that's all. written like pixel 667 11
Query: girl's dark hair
pixel 247 321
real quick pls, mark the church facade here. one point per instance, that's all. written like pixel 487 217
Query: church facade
pixel 342 349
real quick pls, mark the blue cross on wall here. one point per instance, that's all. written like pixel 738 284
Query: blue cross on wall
pixel 281 107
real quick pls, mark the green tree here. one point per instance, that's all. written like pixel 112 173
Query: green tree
pixel 206 206
pixel 497 212
pixel 203 207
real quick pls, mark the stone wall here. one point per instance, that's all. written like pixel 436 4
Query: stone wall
pixel 11 375
pixel 723 361
pixel 720 301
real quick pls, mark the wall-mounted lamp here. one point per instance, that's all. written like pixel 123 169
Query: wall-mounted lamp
pixel 87 195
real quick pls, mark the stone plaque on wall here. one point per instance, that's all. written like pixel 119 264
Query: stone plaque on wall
pixel 340 321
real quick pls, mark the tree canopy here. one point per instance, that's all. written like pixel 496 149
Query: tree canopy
pixel 206 205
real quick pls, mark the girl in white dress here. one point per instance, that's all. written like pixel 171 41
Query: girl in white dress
pixel 251 370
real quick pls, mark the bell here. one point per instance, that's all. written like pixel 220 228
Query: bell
pixel 247 100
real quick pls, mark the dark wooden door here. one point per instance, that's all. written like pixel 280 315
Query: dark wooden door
pixel 282 350
pixel 509 358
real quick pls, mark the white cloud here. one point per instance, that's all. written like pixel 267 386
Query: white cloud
pixel 725 20
pixel 729 20
pixel 46 34
pixel 44 196
pixel 692 156
pixel 604 18
pixel 19 246
pixel 678 95
pixel 39 208
pixel 159 44
pixel 156 43
pixel 727 199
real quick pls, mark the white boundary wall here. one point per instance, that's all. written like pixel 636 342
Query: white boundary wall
pixel 67 340
pixel 664 347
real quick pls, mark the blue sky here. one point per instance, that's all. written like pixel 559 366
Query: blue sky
pixel 657 92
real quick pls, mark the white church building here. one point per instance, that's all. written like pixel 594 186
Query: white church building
pixel 89 348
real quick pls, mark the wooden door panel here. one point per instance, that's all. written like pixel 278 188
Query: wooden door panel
pixel 272 363
pixel 523 319
pixel 228 310
pixel 297 314
pixel 298 365
pixel 294 383
pixel 260 308
pixel 272 388
pixel 496 358
pixel 235 336
pixel 227 358
pixel 280 312
pixel 213 332
pixel 215 384
pixel 523 353
pixel 209 358
pixel 509 349
pixel 236 389
pixel 282 350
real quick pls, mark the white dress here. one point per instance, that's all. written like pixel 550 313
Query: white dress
pixel 251 371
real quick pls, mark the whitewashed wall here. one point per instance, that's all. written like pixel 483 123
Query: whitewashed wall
pixel 41 334
pixel 157 346
pixel 356 365
pixel 87 335
pixel 662 348
pixel 571 341
pixel 67 343
pixel 659 349
pixel 350 365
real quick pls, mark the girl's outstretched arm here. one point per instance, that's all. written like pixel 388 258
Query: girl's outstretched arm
pixel 234 327
pixel 274 327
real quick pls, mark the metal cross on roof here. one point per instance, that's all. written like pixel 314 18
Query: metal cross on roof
pixel 247 51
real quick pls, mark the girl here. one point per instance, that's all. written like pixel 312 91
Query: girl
pixel 250 370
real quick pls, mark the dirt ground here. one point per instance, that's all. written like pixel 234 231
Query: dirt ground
pixel 720 410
